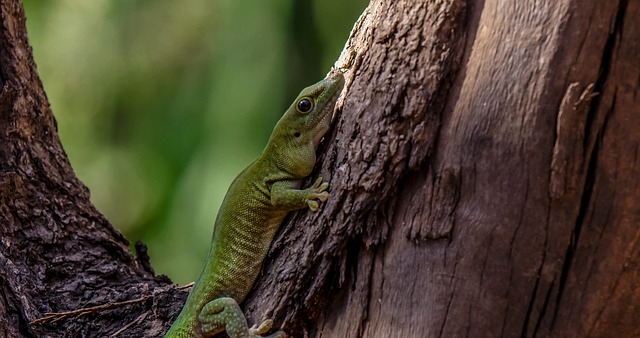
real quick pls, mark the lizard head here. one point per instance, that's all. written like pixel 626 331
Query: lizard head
pixel 309 117
pixel 303 125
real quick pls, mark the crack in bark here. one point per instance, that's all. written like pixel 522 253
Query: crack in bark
pixel 592 143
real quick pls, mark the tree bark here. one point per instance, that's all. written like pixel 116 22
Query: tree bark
pixel 484 176
pixel 483 169
pixel 57 252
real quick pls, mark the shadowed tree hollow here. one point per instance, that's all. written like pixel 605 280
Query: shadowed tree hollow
pixel 484 179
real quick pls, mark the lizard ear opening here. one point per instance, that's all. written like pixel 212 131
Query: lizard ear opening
pixel 297 134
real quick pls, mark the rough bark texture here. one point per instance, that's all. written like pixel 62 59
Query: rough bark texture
pixel 484 182
pixel 484 175
pixel 57 252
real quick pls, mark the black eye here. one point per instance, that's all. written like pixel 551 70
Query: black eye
pixel 297 134
pixel 304 105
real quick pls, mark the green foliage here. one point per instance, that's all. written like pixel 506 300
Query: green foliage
pixel 161 103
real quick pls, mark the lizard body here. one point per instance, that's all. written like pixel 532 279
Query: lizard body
pixel 253 209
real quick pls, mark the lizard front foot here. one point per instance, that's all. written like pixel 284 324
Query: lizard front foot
pixel 317 192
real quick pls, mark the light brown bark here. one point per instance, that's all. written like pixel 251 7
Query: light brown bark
pixel 484 175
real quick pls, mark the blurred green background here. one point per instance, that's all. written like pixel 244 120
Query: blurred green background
pixel 160 103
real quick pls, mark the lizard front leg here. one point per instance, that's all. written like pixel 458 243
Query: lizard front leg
pixel 225 314
pixel 284 196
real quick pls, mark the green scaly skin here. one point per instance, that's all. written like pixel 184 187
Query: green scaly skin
pixel 251 213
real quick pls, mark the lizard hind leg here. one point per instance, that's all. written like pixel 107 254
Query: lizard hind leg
pixel 259 330
pixel 225 313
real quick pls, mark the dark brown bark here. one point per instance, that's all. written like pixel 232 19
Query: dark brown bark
pixel 57 252
pixel 484 182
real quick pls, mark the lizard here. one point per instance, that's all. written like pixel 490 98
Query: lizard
pixel 255 205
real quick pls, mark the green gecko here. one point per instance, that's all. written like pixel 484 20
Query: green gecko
pixel 253 209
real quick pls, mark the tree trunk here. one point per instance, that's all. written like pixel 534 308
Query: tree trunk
pixel 484 178
pixel 57 252
pixel 483 170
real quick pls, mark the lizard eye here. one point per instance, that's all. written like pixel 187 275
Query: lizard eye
pixel 304 105
pixel 297 134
